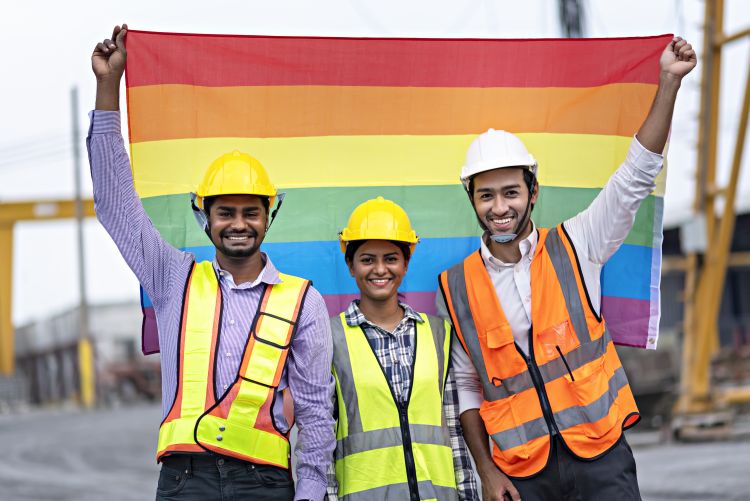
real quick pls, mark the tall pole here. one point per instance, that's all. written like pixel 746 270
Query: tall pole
pixel 85 352
pixel 7 350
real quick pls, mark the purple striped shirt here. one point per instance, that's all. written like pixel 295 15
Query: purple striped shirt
pixel 162 271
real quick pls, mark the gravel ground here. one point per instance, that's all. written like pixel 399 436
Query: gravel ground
pixel 108 454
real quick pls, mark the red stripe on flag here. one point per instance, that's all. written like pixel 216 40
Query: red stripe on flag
pixel 234 60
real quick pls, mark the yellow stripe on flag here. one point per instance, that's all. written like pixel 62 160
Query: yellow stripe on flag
pixel 176 166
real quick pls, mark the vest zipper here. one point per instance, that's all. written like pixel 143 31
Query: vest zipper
pixel 538 381
pixel 411 469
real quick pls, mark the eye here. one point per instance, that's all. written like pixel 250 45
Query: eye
pixel 365 260
pixel 511 193
pixel 391 259
pixel 485 196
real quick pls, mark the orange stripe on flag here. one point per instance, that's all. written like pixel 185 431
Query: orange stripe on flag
pixel 159 112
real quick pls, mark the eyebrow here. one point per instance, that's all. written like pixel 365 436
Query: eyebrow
pixel 367 254
pixel 505 187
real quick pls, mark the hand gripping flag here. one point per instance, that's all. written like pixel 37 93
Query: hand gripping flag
pixel 337 121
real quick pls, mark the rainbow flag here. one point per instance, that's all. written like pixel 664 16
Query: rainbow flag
pixel 337 121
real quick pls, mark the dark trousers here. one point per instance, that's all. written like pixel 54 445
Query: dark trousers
pixel 611 477
pixel 207 477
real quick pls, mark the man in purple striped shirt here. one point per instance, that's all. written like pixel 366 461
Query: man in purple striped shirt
pixel 236 226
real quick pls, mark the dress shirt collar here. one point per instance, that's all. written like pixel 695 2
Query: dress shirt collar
pixel 527 246
pixel 268 275
pixel 354 316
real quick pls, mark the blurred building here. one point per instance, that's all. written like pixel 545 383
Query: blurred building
pixel 48 358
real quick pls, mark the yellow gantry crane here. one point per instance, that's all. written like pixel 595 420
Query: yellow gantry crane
pixel 10 214
pixel 697 405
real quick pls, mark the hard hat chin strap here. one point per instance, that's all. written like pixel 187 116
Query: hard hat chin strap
pixel 280 198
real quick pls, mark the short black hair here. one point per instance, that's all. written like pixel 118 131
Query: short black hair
pixel 528 177
pixel 351 249
pixel 209 201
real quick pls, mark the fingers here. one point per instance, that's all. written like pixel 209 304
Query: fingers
pixel 119 37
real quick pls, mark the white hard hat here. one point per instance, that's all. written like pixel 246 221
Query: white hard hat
pixel 495 149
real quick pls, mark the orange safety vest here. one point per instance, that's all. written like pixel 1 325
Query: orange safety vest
pixel 572 381
pixel 240 422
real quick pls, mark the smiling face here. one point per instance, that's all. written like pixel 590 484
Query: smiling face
pixel 378 267
pixel 237 224
pixel 500 199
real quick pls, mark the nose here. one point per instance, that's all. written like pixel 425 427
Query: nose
pixel 380 267
pixel 238 223
pixel 499 207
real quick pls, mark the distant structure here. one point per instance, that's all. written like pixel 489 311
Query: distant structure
pixel 47 358
pixel 571 18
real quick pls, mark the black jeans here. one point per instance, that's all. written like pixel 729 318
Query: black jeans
pixel 611 477
pixel 207 477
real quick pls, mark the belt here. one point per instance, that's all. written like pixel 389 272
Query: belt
pixel 206 461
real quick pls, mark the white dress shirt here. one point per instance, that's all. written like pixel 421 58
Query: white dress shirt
pixel 597 233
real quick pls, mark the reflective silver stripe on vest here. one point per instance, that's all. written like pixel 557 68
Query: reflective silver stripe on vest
pixel 438 336
pixel 576 358
pixel 566 418
pixel 427 490
pixel 346 379
pixel 389 437
pixel 566 277
pixel 597 409
pixel 460 303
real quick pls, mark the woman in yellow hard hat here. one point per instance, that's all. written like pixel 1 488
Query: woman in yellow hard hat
pixel 398 433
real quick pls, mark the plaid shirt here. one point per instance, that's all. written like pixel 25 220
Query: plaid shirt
pixel 395 353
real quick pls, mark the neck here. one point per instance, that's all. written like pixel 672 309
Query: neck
pixel 243 269
pixel 509 252
pixel 385 314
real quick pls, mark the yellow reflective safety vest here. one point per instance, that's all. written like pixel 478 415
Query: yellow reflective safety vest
pixel 571 382
pixel 238 423
pixel 386 450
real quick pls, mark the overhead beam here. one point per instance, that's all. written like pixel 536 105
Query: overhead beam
pixel 42 210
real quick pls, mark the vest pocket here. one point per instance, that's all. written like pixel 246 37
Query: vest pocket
pixel 501 357
pixel 595 400
pixel 505 428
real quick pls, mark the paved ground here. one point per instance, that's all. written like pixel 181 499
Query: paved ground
pixel 108 455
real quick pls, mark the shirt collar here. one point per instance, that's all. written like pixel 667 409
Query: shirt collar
pixel 268 275
pixel 527 246
pixel 354 316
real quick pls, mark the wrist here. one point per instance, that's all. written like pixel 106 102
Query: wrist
pixel 669 80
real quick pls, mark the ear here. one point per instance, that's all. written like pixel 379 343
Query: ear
pixel 535 192
pixel 351 270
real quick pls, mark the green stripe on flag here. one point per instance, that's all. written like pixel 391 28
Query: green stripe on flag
pixel 317 214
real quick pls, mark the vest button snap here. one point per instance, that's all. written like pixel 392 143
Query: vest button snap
pixel 221 427
pixel 219 438
pixel 220 461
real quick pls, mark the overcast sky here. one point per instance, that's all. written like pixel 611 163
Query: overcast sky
pixel 45 50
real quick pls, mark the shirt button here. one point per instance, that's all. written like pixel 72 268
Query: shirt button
pixel 231 322
pixel 220 461
pixel 221 273
pixel 226 386
pixel 229 354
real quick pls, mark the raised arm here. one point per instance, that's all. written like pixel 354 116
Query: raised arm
pixel 598 231
pixel 117 205
pixel 677 60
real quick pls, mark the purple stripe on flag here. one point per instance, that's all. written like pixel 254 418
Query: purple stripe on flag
pixel 627 320
pixel 149 334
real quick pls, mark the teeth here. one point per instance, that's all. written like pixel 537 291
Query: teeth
pixel 380 281
pixel 502 221
pixel 237 238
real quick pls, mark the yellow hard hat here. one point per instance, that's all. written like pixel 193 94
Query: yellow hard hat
pixel 378 219
pixel 235 173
